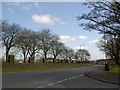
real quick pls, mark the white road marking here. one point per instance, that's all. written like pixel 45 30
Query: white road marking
pixel 73 77
pixel 62 80
pixel 82 75
pixel 50 84
pixel 41 86
pixel 59 81
pixel 65 79
pixel 69 78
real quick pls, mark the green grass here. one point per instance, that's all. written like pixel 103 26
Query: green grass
pixel 38 66
pixel 115 70
pixel 23 70
pixel 0 71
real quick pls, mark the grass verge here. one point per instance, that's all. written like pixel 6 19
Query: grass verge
pixel 38 66
pixel 115 70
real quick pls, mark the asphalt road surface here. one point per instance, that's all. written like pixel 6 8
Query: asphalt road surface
pixel 65 78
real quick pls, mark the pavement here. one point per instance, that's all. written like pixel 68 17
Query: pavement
pixel 104 76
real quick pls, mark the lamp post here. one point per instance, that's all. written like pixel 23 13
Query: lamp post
pixel 81 52
pixel 81 45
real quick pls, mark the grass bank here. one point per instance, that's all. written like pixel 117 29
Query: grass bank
pixel 39 66
pixel 115 69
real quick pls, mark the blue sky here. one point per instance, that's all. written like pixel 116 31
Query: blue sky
pixel 59 17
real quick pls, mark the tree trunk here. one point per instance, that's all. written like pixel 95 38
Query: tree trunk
pixel 43 60
pixel 54 59
pixel 7 54
pixel 24 57
pixel 61 61
pixel 32 56
pixel 70 60
pixel 45 53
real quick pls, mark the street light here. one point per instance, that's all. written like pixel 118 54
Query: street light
pixel 81 50
pixel 81 45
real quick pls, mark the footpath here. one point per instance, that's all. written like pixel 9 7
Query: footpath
pixel 104 76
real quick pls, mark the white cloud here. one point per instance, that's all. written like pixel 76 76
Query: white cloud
pixel 82 47
pixel 46 19
pixel 95 53
pixel 66 38
pixel 82 37
pixel 43 19
pixel 96 41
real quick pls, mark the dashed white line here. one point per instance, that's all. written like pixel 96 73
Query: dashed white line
pixel 59 81
pixel 69 78
pixel 62 80
pixel 50 84
pixel 41 86
pixel 65 79
pixel 82 75
pixel 73 77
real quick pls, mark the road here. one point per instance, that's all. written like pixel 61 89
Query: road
pixel 65 78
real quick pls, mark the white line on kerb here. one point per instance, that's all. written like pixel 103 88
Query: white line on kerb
pixel 41 86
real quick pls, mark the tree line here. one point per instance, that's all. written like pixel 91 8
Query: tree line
pixel 104 17
pixel 31 43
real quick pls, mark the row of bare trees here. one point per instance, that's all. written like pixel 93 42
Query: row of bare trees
pixel 31 43
pixel 104 17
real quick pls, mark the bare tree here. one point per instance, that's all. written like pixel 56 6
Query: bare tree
pixel 111 47
pixel 86 55
pixel 82 54
pixel 9 34
pixel 34 43
pixel 23 42
pixel 45 37
pixel 71 54
pixel 105 18
pixel 56 48
pixel 64 54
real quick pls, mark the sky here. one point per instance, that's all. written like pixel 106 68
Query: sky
pixel 59 17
